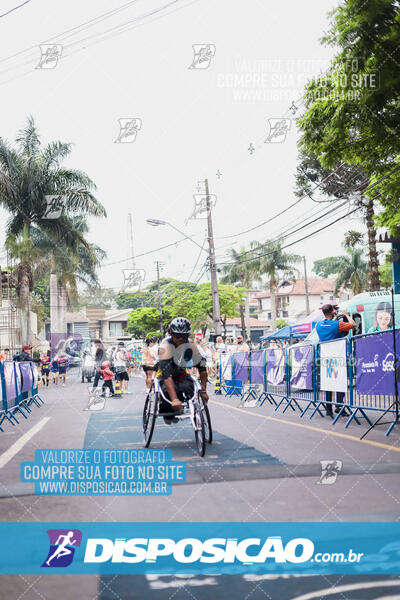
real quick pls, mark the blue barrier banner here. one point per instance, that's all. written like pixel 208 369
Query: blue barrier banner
pixel 257 366
pixel 241 366
pixel 296 548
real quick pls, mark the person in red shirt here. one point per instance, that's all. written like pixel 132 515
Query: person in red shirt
pixel 108 376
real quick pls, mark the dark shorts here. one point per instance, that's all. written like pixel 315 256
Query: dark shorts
pixel 45 371
pixel 184 389
pixel 62 370
pixel 147 368
pixel 122 376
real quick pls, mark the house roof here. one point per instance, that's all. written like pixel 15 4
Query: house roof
pixel 253 322
pixel 117 315
pixel 316 287
pixel 76 317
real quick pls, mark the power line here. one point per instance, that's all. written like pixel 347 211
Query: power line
pixel 198 258
pixel 116 262
pixel 15 8
pixel 282 211
pixel 293 243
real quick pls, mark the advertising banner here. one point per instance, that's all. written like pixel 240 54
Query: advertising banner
pixel 217 548
pixel 9 379
pixel 257 366
pixel 241 366
pixel 26 376
pixel 276 366
pixel 301 362
pixel 333 361
pixel 374 362
pixel 226 366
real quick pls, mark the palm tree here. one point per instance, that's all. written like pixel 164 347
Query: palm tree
pixel 353 272
pixel 241 272
pixel 29 174
pixel 73 260
pixel 276 264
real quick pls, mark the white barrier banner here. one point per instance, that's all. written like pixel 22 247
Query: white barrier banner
pixel 333 359
pixel 226 366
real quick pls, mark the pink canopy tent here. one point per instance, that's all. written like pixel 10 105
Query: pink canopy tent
pixel 308 323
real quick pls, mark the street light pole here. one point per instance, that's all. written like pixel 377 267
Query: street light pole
pixel 213 268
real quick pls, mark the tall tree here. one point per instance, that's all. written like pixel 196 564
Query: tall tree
pixel 352 112
pixel 277 265
pixel 29 174
pixel 342 182
pixel 242 272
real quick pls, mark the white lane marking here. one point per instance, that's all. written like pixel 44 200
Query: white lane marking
pixel 19 444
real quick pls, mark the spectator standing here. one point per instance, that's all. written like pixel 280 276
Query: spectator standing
pixel 241 345
pixel 149 360
pixel 220 347
pixel 108 377
pixel 331 329
pixel 99 358
pixel 121 372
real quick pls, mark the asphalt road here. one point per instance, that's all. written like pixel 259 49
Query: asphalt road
pixel 262 466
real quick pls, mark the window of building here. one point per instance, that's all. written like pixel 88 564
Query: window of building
pixel 285 313
pixel 116 328
pixel 269 316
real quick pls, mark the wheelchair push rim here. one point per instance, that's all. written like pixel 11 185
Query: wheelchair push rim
pixel 149 417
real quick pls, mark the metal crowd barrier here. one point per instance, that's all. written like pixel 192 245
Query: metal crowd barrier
pixel 19 390
pixel 350 376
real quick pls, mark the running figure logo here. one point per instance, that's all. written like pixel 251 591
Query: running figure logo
pixel 203 53
pixel 62 547
pixel 330 470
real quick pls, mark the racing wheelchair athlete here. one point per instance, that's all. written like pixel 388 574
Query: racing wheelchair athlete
pixel 175 395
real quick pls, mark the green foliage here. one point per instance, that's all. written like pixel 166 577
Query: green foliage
pixel 142 320
pixel 281 323
pixel 324 267
pixel 352 113
pixel 386 274
pixel 97 295
pixel 135 299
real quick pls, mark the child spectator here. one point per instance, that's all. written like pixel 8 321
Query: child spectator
pixel 108 376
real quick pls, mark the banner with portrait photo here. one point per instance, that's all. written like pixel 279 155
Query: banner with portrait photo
pixel 301 359
pixel 275 366
pixel 333 366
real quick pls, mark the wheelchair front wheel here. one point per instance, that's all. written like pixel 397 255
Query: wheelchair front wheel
pixel 149 417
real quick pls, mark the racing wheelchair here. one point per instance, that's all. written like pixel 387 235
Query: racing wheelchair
pixel 194 408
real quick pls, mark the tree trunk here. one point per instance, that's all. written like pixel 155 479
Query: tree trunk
pixel 53 303
pixel 247 307
pixel 63 309
pixel 373 273
pixel 242 319
pixel 24 307
pixel 273 303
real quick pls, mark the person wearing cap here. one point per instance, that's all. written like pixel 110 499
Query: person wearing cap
pixel 331 329
pixel 25 355
pixel 241 345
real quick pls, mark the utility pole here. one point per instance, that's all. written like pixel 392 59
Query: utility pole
pixel 213 268
pixel 159 295
pixel 306 286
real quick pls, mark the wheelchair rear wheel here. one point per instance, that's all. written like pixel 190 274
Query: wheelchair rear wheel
pixel 199 430
pixel 207 419
pixel 149 416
